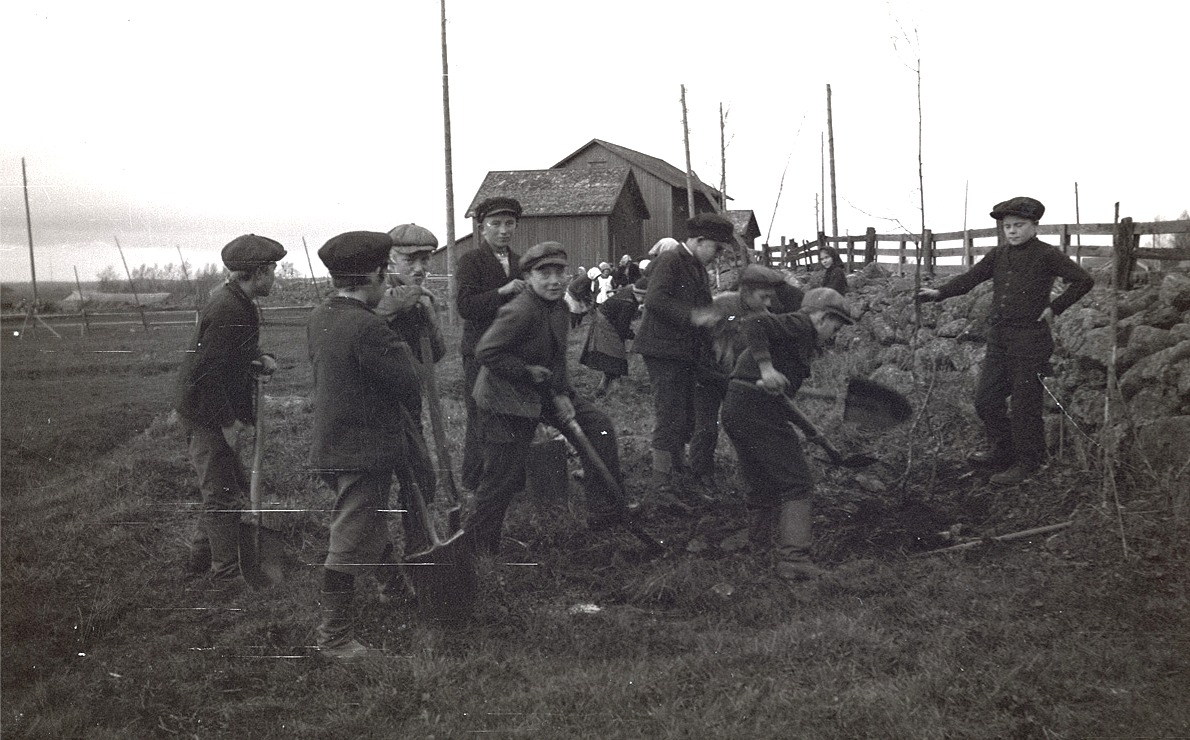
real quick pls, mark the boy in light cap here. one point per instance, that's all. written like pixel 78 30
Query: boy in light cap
pixel 1019 340
pixel 216 395
pixel 767 374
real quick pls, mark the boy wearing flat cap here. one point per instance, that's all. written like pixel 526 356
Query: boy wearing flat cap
pixel 1019 342
pixel 778 349
pixel 523 381
pixel 366 393
pixel 671 342
pixel 759 287
pixel 488 277
pixel 216 398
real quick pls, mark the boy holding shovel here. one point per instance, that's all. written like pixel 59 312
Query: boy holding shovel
pixel 523 381
pixel 366 390
pixel 216 399
pixel 766 376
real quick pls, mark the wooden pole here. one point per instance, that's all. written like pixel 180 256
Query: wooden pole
pixel 132 285
pixel 186 277
pixel 451 257
pixel 29 230
pixel 830 128
pixel 821 225
pixel 723 156
pixel 82 304
pixel 310 264
pixel 686 142
pixel 1078 238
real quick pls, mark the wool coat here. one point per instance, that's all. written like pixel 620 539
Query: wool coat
pixel 528 330
pixel 479 277
pixel 678 284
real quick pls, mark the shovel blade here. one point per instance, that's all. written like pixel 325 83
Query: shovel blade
pixel 262 555
pixel 874 406
pixel 445 580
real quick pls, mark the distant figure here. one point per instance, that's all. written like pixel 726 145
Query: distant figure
pixel 216 400
pixel 1019 341
pixel 835 277
pixel 604 283
pixel 611 327
pixel 627 272
pixel 578 296
pixel 488 277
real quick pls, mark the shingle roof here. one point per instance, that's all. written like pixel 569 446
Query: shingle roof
pixel 562 192
pixel 742 221
pixel 658 167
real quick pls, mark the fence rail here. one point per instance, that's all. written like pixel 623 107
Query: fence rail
pixel 87 320
pixel 1125 248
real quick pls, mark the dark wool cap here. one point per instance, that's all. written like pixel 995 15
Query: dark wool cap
pixel 499 204
pixel 1020 206
pixel 545 253
pixel 828 301
pixel 250 251
pixel 712 226
pixel 411 239
pixel 759 276
pixel 355 252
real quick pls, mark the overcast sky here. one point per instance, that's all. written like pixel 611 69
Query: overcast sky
pixel 172 125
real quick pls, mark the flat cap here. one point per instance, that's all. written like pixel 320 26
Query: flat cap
pixel 355 252
pixel 540 255
pixel 759 276
pixel 411 239
pixel 712 226
pixel 498 204
pixel 250 251
pixel 828 301
pixel 1020 206
pixel 640 287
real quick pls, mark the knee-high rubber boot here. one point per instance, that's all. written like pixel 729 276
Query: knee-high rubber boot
pixel 336 632
pixel 794 540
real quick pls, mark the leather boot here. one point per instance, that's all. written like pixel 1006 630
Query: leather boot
pixel 793 542
pixel 664 483
pixel 223 533
pixel 336 632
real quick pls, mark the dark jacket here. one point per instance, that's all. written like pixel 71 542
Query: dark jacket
pixel 479 276
pixel 787 340
pixel 620 310
pixel 678 283
pixel 835 278
pixel 626 274
pixel 363 375
pixel 215 385
pixel 527 331
pixel 1022 279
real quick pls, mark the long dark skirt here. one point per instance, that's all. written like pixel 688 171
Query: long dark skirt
pixel 604 350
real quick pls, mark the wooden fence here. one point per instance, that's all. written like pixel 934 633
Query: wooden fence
pixel 903 249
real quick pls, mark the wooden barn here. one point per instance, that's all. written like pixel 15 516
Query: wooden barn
pixel 596 214
pixel 662 185
pixel 746 228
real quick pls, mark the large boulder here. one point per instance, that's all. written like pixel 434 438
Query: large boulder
pixel 1162 368
pixel 1175 291
pixel 1142 342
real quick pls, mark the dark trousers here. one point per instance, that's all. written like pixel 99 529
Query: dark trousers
pixel 769 450
pixel 1015 426
pixel 505 442
pixel 672 383
pixel 224 486
pixel 707 399
pixel 472 454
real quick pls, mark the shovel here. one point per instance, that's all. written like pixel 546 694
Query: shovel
pixel 815 435
pixel 454 514
pixel 868 404
pixel 574 434
pixel 262 550
pixel 444 575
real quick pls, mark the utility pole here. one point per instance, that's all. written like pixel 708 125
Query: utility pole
pixel 451 257
pixel 830 128
pixel 29 230
pixel 686 141
pixel 723 156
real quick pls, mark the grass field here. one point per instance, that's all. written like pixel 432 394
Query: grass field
pixel 103 634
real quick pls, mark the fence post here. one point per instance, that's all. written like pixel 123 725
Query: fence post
pixel 821 244
pixel 1123 250
pixel 870 245
pixel 927 250
pixel 901 258
pixel 1064 238
pixel 784 253
pixel 968 248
